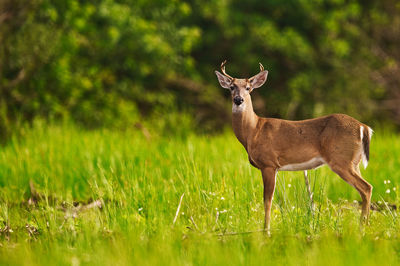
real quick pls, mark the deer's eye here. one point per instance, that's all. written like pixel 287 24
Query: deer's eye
pixel 248 88
pixel 232 88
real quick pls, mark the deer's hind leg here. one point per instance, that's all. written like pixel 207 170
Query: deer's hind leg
pixel 350 173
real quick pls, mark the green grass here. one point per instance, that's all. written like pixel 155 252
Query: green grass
pixel 140 182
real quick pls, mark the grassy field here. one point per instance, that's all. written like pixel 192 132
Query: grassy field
pixel 110 198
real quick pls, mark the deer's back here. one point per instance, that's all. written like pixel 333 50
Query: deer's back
pixel 278 142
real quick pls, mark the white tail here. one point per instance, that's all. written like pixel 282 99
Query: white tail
pixel 365 147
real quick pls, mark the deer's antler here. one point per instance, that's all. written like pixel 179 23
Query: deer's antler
pixel 261 70
pixel 261 67
pixel 223 69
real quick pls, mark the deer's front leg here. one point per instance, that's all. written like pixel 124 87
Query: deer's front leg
pixel 269 179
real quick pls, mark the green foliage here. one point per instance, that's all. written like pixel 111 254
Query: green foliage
pixel 139 182
pixel 107 63
pixel 92 61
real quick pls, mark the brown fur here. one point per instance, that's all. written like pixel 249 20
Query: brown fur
pixel 273 143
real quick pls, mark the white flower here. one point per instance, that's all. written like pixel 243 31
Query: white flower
pixel 289 185
pixel 394 189
pixel 140 209
pixel 384 182
pixel 222 198
pixel 388 191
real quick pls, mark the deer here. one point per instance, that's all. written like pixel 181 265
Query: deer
pixel 337 140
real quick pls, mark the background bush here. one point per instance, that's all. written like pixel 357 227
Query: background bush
pixel 113 63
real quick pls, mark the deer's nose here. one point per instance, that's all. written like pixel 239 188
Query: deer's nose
pixel 238 100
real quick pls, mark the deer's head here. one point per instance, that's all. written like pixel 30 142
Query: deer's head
pixel 241 88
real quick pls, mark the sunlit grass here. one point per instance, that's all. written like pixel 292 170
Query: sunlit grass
pixel 139 182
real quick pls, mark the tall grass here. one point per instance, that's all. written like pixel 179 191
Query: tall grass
pixel 140 181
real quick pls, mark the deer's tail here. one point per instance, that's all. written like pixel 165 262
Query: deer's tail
pixel 366 134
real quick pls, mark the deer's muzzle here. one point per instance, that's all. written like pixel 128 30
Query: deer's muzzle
pixel 238 100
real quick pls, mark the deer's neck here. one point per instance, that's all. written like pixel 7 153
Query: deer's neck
pixel 244 120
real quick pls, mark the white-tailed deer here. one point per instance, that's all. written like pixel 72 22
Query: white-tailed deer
pixel 272 145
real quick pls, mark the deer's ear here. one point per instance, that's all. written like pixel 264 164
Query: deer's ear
pixel 224 81
pixel 259 79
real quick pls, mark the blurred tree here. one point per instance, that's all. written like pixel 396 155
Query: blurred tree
pixel 311 48
pixel 26 45
pixel 382 33
pixel 106 62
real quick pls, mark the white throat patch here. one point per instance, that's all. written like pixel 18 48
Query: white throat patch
pixel 238 108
